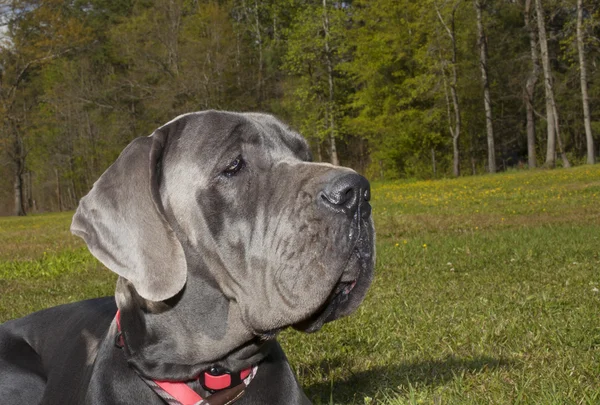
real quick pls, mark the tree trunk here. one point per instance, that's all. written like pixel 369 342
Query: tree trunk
pixel 531 158
pixel 530 87
pixel 260 79
pixel 591 157
pixel 455 132
pixel 238 58
pixel 433 163
pixel 58 193
pixel 18 157
pixel 455 157
pixel 29 192
pixel 457 117
pixel 173 15
pixel 18 188
pixel 319 153
pixel 550 119
pixel 561 150
pixel 333 148
pixel 482 42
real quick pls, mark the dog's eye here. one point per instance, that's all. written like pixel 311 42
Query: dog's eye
pixel 234 167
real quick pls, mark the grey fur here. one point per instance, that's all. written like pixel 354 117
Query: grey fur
pixel 212 265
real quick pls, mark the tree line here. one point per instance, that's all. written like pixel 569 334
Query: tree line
pixel 394 88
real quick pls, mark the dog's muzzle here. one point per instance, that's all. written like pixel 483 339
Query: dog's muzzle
pixel 347 195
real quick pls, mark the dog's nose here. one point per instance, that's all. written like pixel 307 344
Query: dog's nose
pixel 347 194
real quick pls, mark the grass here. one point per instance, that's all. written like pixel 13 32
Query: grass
pixel 42 265
pixel 486 291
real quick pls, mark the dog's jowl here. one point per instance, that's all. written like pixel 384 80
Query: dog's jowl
pixel 223 232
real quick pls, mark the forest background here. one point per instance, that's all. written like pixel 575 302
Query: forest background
pixel 393 88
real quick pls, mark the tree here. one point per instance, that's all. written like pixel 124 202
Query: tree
pixel 314 54
pixel 392 107
pixel 378 83
pixel 38 32
pixel 482 42
pixel 530 86
pixel 591 158
pixel 330 105
pixel 456 119
pixel 551 109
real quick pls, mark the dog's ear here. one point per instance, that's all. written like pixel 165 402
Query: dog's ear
pixel 122 221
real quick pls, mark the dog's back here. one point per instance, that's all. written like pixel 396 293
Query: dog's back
pixel 65 337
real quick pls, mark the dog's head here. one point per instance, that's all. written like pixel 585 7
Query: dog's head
pixel 234 200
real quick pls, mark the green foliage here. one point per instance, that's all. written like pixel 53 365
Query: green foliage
pixel 307 62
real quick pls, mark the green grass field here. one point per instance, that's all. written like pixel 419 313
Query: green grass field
pixel 487 291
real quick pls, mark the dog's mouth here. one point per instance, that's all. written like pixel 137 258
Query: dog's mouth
pixel 324 314
pixel 349 290
pixel 340 294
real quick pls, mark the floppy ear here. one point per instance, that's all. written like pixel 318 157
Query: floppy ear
pixel 121 220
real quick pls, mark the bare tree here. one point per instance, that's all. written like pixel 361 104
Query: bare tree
pixel 591 158
pixel 252 13
pixel 530 86
pixel 168 36
pixel 551 110
pixel 259 42
pixel 551 145
pixel 455 132
pixel 482 42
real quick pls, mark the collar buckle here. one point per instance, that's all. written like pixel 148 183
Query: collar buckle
pixel 219 378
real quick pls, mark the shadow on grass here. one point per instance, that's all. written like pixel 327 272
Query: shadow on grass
pixel 396 377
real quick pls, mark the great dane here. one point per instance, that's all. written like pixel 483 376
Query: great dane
pixel 223 232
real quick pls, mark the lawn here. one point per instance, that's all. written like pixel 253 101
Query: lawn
pixel 487 290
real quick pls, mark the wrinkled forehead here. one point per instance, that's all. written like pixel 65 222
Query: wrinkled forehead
pixel 215 138
pixel 277 137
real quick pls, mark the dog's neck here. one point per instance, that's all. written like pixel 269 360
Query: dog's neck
pixel 179 338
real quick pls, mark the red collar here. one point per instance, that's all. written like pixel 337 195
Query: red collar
pixel 214 379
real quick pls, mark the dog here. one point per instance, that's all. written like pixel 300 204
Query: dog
pixel 223 232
